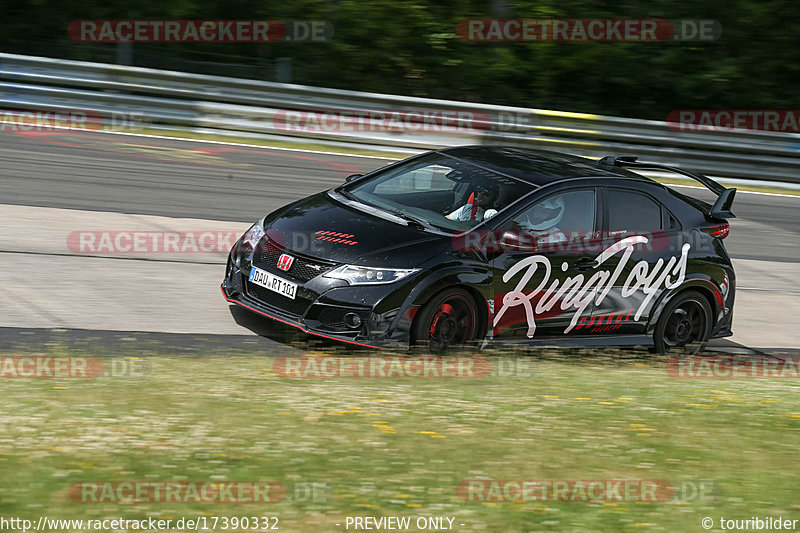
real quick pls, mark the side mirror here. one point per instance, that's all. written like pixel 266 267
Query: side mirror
pixel 351 177
pixel 519 240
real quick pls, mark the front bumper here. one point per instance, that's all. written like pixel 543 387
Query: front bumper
pixel 321 305
pixel 274 314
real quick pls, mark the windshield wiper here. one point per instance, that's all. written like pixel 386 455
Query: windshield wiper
pixel 413 221
pixel 347 194
pixel 410 220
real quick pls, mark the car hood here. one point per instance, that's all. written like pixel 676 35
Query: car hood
pixel 321 227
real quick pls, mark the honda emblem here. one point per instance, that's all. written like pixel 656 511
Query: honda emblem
pixel 285 261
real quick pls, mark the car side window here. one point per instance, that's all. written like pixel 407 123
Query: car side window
pixel 632 212
pixel 569 211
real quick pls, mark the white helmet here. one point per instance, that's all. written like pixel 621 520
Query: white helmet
pixel 546 214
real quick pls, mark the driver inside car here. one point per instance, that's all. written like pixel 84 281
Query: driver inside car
pixel 479 206
pixel 544 217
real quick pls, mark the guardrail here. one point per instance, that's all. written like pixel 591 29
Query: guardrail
pixel 180 101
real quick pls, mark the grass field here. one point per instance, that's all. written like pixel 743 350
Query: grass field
pixel 401 446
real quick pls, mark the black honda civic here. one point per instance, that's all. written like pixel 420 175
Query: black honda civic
pixel 487 245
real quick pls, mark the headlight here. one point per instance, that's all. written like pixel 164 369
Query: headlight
pixel 253 235
pixel 358 275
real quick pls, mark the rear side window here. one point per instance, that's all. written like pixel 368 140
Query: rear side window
pixel 632 212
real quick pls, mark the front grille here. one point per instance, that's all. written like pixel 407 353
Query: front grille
pixel 302 269
pixel 296 307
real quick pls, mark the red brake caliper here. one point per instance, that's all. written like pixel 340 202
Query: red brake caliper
pixel 443 310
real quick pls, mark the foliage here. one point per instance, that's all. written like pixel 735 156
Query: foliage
pixel 410 47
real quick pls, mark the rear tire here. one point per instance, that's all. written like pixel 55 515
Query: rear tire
pixel 685 325
pixel 447 321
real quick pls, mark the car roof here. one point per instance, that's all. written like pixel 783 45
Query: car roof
pixel 537 167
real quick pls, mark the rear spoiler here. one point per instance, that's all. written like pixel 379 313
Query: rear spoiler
pixel 720 209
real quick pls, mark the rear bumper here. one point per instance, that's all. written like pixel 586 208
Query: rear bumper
pixel 722 334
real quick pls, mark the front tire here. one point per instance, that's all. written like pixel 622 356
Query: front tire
pixel 448 320
pixel 685 325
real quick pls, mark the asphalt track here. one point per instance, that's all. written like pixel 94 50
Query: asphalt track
pixel 129 174
pixel 70 180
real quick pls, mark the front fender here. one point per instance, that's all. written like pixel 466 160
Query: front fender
pixel 476 277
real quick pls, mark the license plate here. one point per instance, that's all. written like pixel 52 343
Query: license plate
pixel 272 282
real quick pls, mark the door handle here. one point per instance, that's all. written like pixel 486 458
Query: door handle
pixel 586 263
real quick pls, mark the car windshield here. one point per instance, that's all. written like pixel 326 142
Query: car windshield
pixel 439 191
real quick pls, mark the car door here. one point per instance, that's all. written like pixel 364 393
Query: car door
pixel 541 265
pixel 643 254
